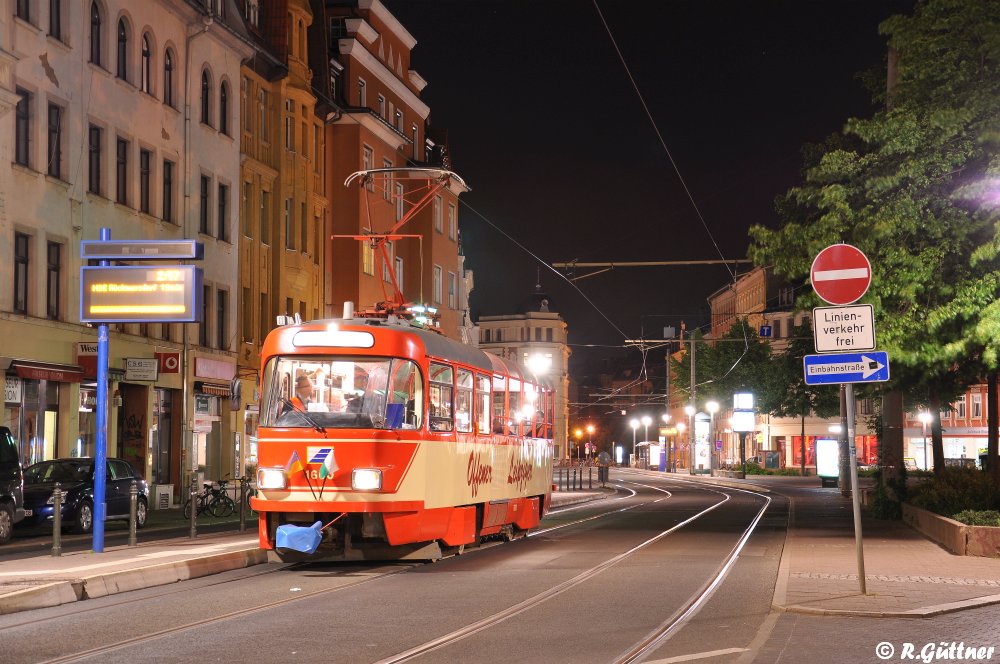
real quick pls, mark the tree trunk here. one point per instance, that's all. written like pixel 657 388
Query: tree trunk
pixel 892 434
pixel 803 441
pixel 993 435
pixel 937 440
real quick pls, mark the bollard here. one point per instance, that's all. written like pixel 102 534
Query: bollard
pixel 574 479
pixel 57 521
pixel 194 506
pixel 133 500
pixel 590 477
pixel 243 504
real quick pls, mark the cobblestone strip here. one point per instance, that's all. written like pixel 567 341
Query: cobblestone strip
pixel 990 583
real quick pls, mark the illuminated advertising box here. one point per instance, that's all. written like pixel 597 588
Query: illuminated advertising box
pixel 140 294
pixel 827 457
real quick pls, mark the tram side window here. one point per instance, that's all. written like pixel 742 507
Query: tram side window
pixel 514 415
pixel 406 398
pixel 482 404
pixel 463 400
pixel 499 404
pixel 441 391
pixel 550 399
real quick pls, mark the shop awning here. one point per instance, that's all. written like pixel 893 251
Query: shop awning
pixel 62 373
pixel 212 389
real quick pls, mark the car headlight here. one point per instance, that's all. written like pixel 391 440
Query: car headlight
pixel 366 479
pixel 271 478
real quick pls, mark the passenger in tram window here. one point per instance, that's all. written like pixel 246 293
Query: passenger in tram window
pixel 303 392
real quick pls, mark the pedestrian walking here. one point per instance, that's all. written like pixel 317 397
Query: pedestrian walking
pixel 603 463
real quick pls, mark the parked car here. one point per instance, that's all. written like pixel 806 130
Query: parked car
pixel 11 485
pixel 76 479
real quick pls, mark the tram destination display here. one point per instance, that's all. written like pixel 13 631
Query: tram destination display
pixel 140 294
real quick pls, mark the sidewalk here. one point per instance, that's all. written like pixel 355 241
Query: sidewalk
pixel 43 580
pixel 906 575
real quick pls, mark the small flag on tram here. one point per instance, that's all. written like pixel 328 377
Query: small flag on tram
pixel 329 466
pixel 294 464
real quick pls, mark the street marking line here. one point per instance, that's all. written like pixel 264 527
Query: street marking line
pixel 697 655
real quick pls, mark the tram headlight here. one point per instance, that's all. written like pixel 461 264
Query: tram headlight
pixel 366 479
pixel 271 478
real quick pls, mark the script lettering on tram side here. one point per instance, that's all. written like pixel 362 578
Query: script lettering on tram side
pixel 478 473
pixel 520 470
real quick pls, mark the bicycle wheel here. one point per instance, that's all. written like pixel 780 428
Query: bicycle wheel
pixel 187 509
pixel 251 493
pixel 222 506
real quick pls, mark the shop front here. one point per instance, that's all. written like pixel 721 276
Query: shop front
pixel 34 394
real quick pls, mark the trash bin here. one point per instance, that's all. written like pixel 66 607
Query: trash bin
pixel 163 496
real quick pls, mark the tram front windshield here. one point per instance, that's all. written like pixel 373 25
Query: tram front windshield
pixel 343 392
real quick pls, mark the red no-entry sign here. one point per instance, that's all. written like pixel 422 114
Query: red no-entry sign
pixel 841 274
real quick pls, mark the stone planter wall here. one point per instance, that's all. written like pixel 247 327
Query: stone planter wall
pixel 953 535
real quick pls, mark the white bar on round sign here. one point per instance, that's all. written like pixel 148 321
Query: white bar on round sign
pixel 834 275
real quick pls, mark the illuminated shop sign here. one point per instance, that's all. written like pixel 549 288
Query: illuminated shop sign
pixel 140 294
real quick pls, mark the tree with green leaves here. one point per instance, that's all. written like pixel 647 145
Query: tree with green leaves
pixel 917 188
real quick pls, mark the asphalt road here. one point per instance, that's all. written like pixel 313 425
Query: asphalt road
pixel 593 584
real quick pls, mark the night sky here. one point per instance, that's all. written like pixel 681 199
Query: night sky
pixel 544 125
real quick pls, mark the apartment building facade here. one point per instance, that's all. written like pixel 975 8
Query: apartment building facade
pixel 118 115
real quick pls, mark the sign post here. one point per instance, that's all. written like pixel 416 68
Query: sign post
pixel 840 275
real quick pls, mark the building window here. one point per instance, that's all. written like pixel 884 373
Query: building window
pixel 368 256
pixel 265 318
pixel 95 33
pixel 245 102
pixel 121 171
pixel 20 273
pixel 203 207
pixel 303 229
pixel 452 291
pixel 381 106
pixel 289 230
pixel 122 49
pixel 23 10
pixel 22 128
pixel 367 164
pixel 265 217
pixel 416 144
pixel 438 278
pixel 387 263
pixel 538 334
pixel 168 78
pixel 486 336
pixel 262 103
pixel 206 91
pixel 959 408
pixel 548 334
pixel 318 247
pixel 222 320
pixel 168 190
pixel 245 210
pixel 362 96
pixel 977 406
pixel 387 182
pixel 438 223
pixel 399 201
pixel 399 274
pixel 399 121
pixel 451 221
pixel 145 166
pixel 223 212
pixel 146 75
pixel 55 140
pixel 206 300
pixel 247 327
pixel 55 19
pixel 95 138
pixel 224 108
pixel 289 125
pixel 253 13
pixel 53 277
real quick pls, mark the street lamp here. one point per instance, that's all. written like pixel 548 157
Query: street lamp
pixel 668 448
pixel 590 440
pixel 712 407
pixel 689 411
pixel 680 433
pixel 634 423
pixel 925 418
pixel 578 433
pixel 646 421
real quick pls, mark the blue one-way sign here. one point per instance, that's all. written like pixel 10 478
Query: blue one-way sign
pixel 870 367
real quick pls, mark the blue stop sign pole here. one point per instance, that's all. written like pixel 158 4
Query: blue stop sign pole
pixel 101 453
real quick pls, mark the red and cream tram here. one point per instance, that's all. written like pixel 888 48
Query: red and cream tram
pixel 398 439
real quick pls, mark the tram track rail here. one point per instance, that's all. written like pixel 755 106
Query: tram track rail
pixel 635 653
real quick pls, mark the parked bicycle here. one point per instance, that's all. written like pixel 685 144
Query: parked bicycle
pixel 214 500
pixel 251 491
